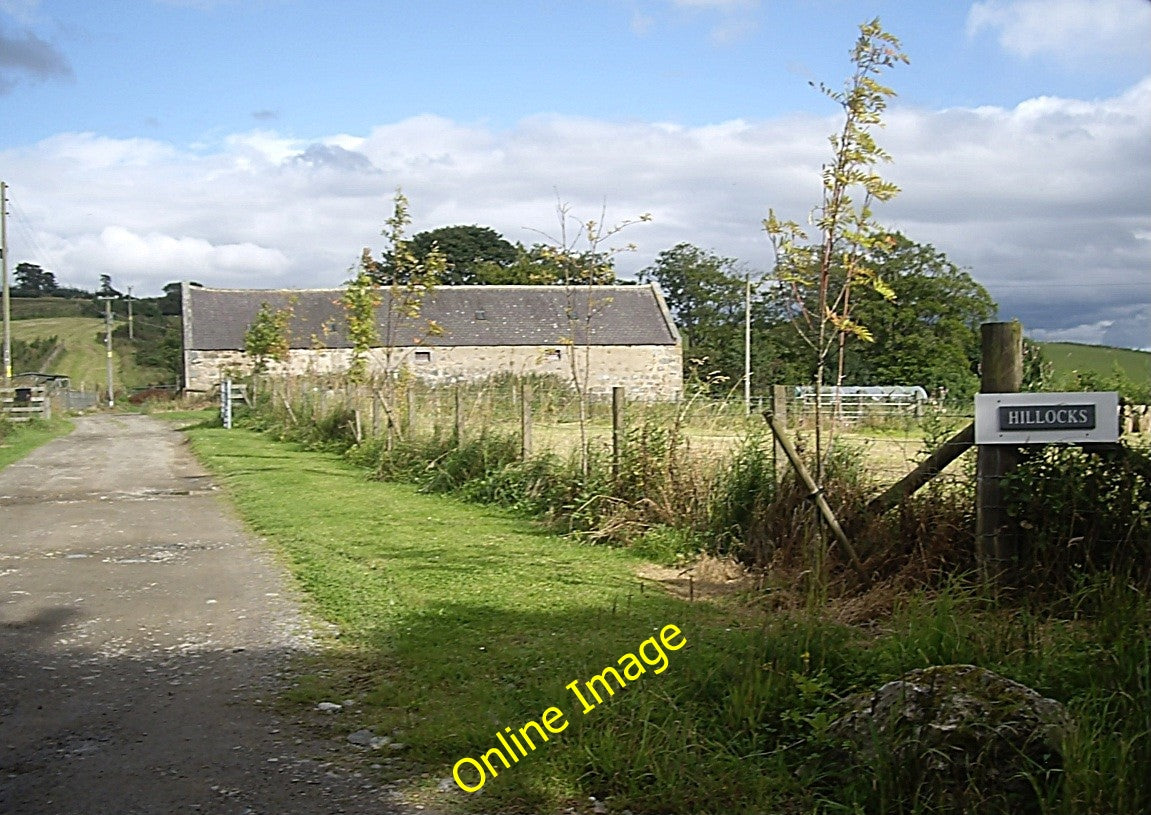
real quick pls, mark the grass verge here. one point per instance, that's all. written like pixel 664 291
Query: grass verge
pixel 458 621
pixel 19 439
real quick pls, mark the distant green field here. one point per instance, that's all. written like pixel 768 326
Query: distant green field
pixel 26 308
pixel 82 358
pixel 1066 357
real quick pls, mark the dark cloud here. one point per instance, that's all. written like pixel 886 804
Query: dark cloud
pixel 27 54
pixel 265 115
pixel 334 157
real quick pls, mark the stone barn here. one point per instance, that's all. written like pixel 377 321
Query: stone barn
pixel 462 334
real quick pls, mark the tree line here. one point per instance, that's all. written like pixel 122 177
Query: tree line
pixel 927 334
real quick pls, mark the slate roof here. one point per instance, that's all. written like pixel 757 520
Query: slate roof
pixel 217 319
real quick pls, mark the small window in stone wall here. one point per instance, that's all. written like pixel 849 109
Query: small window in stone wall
pixel 423 357
pixel 552 355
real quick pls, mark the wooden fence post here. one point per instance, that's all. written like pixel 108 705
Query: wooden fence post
pixel 525 420
pixel 617 397
pixel 997 545
pixel 779 411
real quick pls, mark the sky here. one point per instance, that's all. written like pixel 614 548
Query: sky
pixel 259 143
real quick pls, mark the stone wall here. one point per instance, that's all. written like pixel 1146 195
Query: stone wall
pixel 648 372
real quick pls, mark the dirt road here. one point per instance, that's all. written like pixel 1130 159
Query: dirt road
pixel 141 631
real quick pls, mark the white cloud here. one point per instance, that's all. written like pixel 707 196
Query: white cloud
pixel 736 22
pixel 135 256
pixel 1045 202
pixel 1070 30
pixel 641 24
pixel 22 10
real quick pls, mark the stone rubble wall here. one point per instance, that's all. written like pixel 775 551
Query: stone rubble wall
pixel 648 372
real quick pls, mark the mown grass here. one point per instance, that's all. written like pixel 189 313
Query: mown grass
pixel 458 620
pixel 465 619
pixel 19 439
pixel 83 358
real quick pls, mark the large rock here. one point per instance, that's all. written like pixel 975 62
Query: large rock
pixel 962 737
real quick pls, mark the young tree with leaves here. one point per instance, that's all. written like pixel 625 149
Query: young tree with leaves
pixel 847 230
pixel 267 338
pixel 360 300
pixel 583 255
pixel 388 294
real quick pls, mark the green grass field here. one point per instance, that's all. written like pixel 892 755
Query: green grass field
pixel 83 356
pixel 18 440
pixel 24 308
pixel 1066 357
pixel 457 621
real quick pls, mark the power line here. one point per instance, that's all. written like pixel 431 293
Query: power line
pixel 24 223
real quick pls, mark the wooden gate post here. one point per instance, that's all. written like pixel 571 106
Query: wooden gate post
pixel 996 540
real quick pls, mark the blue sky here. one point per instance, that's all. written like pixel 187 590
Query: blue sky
pixel 257 142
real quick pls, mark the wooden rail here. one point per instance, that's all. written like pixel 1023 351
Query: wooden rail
pixel 22 404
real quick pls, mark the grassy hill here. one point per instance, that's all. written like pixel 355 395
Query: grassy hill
pixel 25 308
pixel 1066 357
pixel 82 356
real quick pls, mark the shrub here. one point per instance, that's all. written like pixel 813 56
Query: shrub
pixel 1083 512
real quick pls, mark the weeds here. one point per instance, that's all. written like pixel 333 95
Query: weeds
pixel 743 723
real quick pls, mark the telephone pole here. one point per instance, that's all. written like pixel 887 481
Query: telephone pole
pixel 747 341
pixel 108 347
pixel 7 304
pixel 131 335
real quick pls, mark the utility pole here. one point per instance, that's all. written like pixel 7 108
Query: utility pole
pixel 108 347
pixel 131 335
pixel 7 303
pixel 747 342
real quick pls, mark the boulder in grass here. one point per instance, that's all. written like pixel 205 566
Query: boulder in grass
pixel 961 737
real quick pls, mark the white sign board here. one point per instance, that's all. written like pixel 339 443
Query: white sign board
pixel 1046 418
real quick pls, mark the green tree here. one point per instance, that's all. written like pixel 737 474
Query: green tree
pixel 170 304
pixel 106 289
pixel 706 295
pixel 541 265
pixel 471 254
pixel 360 300
pixel 704 291
pixel 268 338
pixel 848 232
pixel 929 334
pixel 32 281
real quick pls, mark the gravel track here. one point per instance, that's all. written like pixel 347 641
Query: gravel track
pixel 142 633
